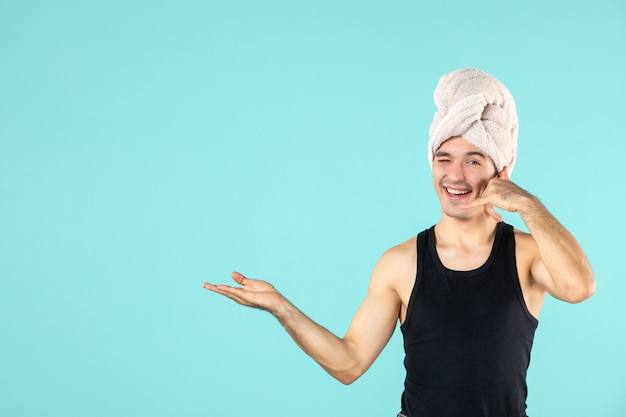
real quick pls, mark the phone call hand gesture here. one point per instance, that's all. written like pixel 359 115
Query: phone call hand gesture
pixel 503 194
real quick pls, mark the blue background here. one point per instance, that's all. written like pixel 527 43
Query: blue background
pixel 148 146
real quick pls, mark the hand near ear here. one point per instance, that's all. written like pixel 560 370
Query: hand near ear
pixel 503 194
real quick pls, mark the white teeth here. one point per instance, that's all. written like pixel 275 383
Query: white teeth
pixel 456 192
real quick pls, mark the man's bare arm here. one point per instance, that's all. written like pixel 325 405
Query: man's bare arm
pixel 345 358
pixel 559 264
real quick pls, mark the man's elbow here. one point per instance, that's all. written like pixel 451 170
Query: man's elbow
pixel 584 290
pixel 347 377
pixel 347 380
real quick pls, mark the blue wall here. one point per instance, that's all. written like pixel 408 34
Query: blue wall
pixel 148 146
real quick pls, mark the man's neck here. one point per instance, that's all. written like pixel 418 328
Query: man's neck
pixel 465 232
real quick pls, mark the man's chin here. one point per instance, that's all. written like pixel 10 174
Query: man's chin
pixel 457 213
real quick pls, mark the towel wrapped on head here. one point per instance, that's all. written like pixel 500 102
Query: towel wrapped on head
pixel 479 108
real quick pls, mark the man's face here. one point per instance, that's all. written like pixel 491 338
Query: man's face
pixel 461 172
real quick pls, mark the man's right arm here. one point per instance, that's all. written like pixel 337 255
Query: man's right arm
pixel 345 358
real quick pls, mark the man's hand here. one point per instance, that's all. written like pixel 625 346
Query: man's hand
pixel 252 293
pixel 348 357
pixel 503 194
pixel 559 265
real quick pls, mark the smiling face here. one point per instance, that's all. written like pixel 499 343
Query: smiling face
pixel 461 172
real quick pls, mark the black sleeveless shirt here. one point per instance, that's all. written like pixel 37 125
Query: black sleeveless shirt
pixel 467 336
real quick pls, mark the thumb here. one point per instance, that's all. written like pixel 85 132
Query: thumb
pixel 504 174
pixel 239 278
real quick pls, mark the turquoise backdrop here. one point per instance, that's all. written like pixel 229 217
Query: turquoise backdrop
pixel 148 146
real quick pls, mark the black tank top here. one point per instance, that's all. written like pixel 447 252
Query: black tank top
pixel 467 336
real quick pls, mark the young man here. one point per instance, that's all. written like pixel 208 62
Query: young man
pixel 467 291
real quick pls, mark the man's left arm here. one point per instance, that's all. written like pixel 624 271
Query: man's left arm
pixel 561 266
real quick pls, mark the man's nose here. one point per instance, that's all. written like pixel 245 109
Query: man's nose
pixel 456 172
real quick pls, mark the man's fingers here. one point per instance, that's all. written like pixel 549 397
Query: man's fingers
pixel 504 175
pixel 239 278
pixel 235 294
pixel 220 288
pixel 491 212
pixel 489 208
pixel 481 201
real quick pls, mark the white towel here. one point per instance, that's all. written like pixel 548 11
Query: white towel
pixel 479 108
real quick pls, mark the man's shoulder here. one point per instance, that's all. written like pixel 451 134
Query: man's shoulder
pixel 525 244
pixel 404 248
pixel 523 238
pixel 396 269
pixel 400 256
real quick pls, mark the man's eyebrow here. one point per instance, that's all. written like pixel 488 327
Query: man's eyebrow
pixel 470 153
pixel 476 153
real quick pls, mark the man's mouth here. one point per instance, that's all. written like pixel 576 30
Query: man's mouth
pixel 457 192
